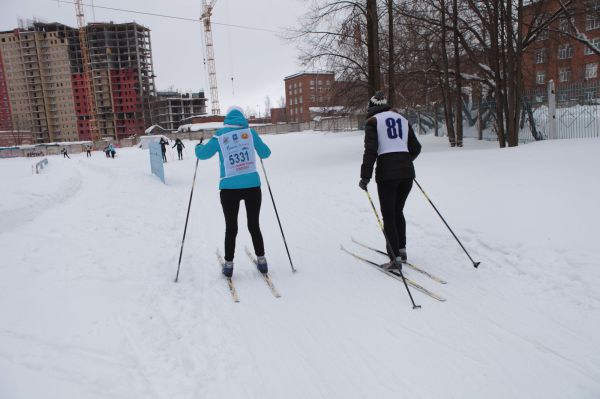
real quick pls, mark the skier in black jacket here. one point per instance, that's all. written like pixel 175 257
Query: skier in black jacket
pixel 180 148
pixel 163 147
pixel 391 141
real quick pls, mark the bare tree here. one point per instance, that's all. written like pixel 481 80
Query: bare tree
pixel 342 36
pixel 391 52
pixel 281 102
pixel 267 107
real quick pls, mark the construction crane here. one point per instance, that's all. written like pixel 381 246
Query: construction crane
pixel 210 55
pixel 88 79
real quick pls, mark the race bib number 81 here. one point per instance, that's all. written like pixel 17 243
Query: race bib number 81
pixel 237 148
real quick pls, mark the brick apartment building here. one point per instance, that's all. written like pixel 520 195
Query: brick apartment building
pixel 172 107
pixel 305 90
pixel 555 56
pixel 42 72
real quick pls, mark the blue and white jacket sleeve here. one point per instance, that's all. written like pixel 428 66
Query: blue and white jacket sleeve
pixel 206 151
pixel 262 149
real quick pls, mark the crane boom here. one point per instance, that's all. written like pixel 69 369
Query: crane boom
pixel 87 73
pixel 210 56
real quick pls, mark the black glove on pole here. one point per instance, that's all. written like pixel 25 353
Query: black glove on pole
pixel 475 264
pixel 363 184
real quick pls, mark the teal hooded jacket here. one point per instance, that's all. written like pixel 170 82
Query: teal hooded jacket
pixel 234 120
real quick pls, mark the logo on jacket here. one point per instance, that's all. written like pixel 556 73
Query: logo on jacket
pixel 235 137
pixel 226 140
pixel 245 136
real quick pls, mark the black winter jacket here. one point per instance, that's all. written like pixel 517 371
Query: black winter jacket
pixel 390 166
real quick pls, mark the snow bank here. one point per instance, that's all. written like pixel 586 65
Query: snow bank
pixel 89 308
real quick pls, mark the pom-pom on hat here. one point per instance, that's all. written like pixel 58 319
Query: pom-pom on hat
pixel 377 104
pixel 377 99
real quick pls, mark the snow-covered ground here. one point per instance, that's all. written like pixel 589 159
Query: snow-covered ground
pixel 89 250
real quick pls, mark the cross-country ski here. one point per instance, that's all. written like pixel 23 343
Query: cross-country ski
pixel 265 276
pixel 394 275
pixel 232 290
pixel 410 265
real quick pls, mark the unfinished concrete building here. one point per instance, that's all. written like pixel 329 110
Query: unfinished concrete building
pixel 38 81
pixel 43 75
pixel 172 107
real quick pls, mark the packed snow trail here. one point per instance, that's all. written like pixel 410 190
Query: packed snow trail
pixel 88 307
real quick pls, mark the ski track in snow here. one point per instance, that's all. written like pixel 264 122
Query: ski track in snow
pixel 88 307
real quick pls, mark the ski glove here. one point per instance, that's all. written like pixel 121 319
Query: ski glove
pixel 363 183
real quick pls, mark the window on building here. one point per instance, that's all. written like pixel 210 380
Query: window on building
pixel 564 24
pixel 312 82
pixel 541 56
pixel 592 21
pixel 587 50
pixel 565 51
pixel 591 70
pixel 564 74
pixel 589 95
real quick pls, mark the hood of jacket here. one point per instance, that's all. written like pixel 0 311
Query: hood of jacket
pixel 235 117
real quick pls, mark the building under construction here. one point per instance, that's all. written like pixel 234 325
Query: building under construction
pixel 172 107
pixel 43 77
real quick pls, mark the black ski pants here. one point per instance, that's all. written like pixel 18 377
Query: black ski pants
pixel 392 197
pixel 180 153
pixel 230 200
pixel 164 154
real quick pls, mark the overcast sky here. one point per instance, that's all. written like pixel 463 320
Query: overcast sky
pixel 257 60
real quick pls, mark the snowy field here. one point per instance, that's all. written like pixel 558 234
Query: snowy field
pixel 88 307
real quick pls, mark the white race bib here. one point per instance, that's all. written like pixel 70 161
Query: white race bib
pixel 392 132
pixel 237 148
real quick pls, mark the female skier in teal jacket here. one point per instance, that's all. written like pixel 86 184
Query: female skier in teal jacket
pixel 237 146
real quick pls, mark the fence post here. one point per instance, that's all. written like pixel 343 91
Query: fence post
pixel 479 116
pixel 552 110
pixel 435 118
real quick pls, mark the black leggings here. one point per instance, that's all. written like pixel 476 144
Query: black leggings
pixel 230 200
pixel 392 197
pixel 180 153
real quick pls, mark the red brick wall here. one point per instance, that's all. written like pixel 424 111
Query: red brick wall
pixel 278 115
pixel 127 103
pixel 81 106
pixel 5 111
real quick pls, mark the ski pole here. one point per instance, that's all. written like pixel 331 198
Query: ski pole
pixel 277 214
pixel 186 221
pixel 389 248
pixel 475 264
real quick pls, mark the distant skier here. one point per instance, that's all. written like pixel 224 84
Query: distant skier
pixel 107 151
pixel 391 141
pixel 180 148
pixel 236 145
pixel 64 152
pixel 88 150
pixel 111 150
pixel 163 147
